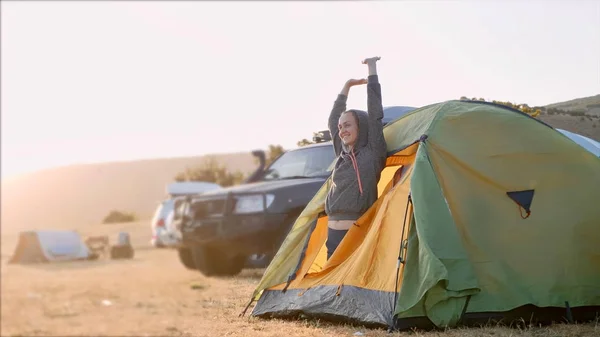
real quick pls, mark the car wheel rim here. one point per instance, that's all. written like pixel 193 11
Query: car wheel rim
pixel 257 257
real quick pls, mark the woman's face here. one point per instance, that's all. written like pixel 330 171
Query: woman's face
pixel 348 129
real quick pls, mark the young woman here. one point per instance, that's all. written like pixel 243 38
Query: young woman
pixel 361 153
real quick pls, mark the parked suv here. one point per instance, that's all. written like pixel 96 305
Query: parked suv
pixel 222 229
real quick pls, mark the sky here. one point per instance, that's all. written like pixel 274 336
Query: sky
pixel 97 81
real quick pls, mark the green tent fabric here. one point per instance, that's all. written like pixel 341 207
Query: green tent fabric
pixel 439 277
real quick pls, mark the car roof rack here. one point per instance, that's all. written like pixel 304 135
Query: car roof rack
pixel 321 136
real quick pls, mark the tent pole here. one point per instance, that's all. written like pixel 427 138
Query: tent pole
pixel 400 260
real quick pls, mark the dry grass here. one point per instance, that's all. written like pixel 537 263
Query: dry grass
pixel 154 295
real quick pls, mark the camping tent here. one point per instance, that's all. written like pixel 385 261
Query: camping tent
pixel 49 246
pixel 394 112
pixel 587 143
pixel 495 216
pixel 391 113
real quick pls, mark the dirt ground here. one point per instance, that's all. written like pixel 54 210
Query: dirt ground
pixel 154 295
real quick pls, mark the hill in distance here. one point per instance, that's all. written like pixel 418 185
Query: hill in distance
pixel 73 196
pixel 580 115
pixel 589 105
pixel 81 195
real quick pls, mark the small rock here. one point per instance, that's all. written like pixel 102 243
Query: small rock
pixel 106 303
pixel 358 333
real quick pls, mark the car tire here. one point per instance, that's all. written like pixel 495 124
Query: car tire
pixel 259 261
pixel 211 262
pixel 186 258
pixel 158 244
pixel 262 260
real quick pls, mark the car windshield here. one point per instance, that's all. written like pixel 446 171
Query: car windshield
pixel 302 163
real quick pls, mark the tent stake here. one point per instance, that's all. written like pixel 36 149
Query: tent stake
pixel 569 313
pixel 246 309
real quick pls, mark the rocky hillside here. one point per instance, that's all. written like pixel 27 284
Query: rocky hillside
pixel 580 115
pixel 587 105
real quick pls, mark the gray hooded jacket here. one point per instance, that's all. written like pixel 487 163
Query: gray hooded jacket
pixel 357 172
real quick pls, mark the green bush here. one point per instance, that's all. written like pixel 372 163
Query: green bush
pixel 211 171
pixel 576 113
pixel 117 217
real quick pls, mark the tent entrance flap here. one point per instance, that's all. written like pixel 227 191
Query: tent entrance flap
pixel 314 261
pixel 394 178
pixel 438 276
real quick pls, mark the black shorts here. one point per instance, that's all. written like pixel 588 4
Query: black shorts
pixel 334 237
